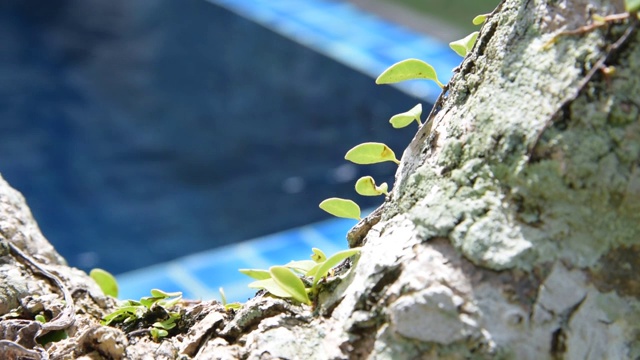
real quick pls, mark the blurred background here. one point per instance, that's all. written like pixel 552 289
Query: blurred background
pixel 143 131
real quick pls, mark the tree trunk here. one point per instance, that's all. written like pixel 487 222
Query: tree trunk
pixel 512 230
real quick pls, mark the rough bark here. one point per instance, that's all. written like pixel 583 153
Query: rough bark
pixel 512 230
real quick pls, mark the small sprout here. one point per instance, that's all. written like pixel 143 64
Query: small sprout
pixel 341 208
pixel 105 281
pixel 318 255
pixel 157 334
pixel 632 5
pixel 409 69
pixel 366 186
pixel 256 273
pixel 480 19
pixel 334 260
pixel 228 306
pixel 371 153
pixel 404 119
pixel 463 46
pixel 41 319
pixel 290 282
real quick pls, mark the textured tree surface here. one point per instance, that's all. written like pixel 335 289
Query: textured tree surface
pixel 512 231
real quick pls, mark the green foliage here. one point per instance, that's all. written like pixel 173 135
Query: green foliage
pixel 371 153
pixel 410 69
pixel 285 281
pixel 632 5
pixel 290 282
pixel 366 186
pixel 343 208
pixel 132 312
pixel 480 19
pixel 463 46
pixel 105 281
pixel 404 119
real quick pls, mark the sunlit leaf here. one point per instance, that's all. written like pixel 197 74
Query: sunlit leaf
pixel 271 286
pixel 105 281
pixel 409 69
pixel 301 266
pixel 318 255
pixel 463 46
pixel 480 19
pixel 341 208
pixel 290 282
pixel 371 153
pixel 334 260
pixel 632 5
pixel 366 186
pixel 257 274
pixel 163 294
pixel 403 119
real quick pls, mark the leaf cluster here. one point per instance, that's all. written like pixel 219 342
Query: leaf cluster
pixel 151 312
pixel 286 281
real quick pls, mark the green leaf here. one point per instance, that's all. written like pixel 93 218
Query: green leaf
pixel 409 69
pixel 463 46
pixel 163 294
pixel 158 333
pixel 318 255
pixel 271 286
pixel 334 260
pixel 341 208
pixel 366 186
pixel 480 19
pixel 257 274
pixel 223 296
pixel 403 119
pixel 301 266
pixel 40 318
pixel 632 5
pixel 233 306
pixel 168 324
pixel 290 282
pixel 371 153
pixel 105 281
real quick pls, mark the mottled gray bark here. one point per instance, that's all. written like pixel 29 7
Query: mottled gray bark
pixel 512 231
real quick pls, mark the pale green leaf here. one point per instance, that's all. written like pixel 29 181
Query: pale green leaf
pixel 334 260
pixel 105 281
pixel 223 296
pixel 318 255
pixel 341 208
pixel 366 186
pixel 301 266
pixel 257 274
pixel 403 119
pixel 371 153
pixel 480 19
pixel 233 306
pixel 163 294
pixel 290 282
pixel 632 5
pixel 409 69
pixel 271 286
pixel 314 269
pixel 463 46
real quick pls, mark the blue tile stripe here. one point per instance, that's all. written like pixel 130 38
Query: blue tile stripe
pixel 360 40
pixel 200 275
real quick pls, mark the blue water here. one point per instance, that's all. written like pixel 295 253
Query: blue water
pixel 143 131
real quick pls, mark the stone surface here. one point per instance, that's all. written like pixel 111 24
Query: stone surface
pixel 419 289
